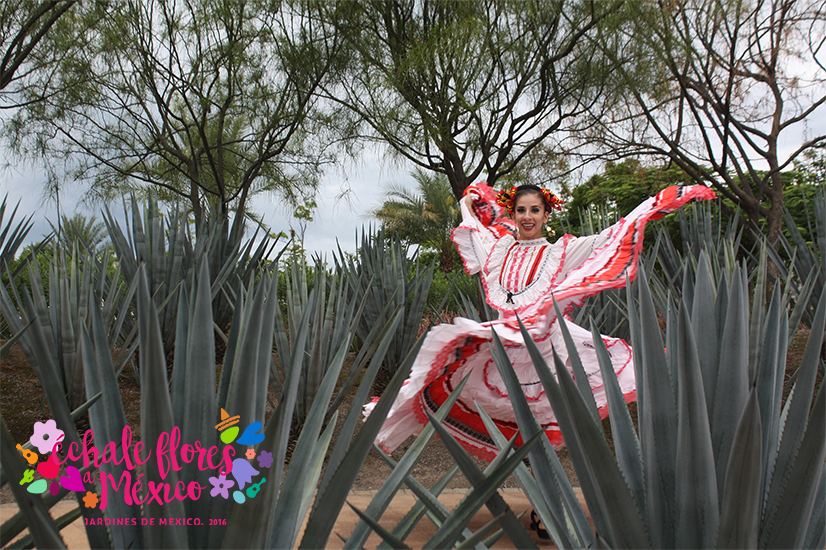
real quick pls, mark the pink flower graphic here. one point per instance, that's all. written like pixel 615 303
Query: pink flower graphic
pixel 250 454
pixel 45 436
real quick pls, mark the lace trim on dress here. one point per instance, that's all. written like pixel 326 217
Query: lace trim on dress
pixel 502 300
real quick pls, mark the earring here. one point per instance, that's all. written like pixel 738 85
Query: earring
pixel 551 232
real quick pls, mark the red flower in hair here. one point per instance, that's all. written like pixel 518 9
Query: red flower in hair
pixel 505 198
pixel 552 200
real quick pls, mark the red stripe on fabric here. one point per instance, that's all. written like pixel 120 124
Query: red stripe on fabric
pixel 505 263
pixel 513 274
pixel 535 266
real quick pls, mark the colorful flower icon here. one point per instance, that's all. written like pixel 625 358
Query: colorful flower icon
pixel 220 486
pixel 250 454
pixel 45 436
pixel 91 499
pixel 264 459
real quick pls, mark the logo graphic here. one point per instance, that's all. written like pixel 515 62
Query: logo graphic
pixel 45 465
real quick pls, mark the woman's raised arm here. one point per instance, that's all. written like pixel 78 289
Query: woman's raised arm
pixel 482 225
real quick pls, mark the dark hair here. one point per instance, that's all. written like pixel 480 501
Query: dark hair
pixel 530 189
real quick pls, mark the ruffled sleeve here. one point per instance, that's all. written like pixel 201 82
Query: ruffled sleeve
pixel 611 256
pixel 481 228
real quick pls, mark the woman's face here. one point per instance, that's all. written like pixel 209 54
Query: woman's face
pixel 530 215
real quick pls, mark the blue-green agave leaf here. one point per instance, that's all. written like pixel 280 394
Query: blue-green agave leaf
pixel 816 533
pixel 698 513
pixel 740 502
pixel 563 503
pixel 626 443
pixel 705 328
pixel 496 504
pixel 322 518
pixel 156 418
pixel 374 348
pixel 383 533
pixel 451 529
pixel 200 413
pixel 479 536
pixel 527 482
pixel 624 523
pixel 732 382
pixel 400 472
pixel 284 519
pixel 41 525
pixel 411 519
pixel 436 511
pixel 796 413
pixel 658 433
pixel 794 509
pixel 108 422
pixel 576 365
pixel 178 385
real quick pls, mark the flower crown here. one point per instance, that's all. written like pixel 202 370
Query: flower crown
pixel 506 197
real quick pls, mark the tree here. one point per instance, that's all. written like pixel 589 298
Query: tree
pixel 716 87
pixel 89 233
pixel 621 187
pixel 26 24
pixel 471 88
pixel 426 218
pixel 207 101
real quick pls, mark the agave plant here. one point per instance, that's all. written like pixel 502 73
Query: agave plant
pixel 321 323
pixel 808 264
pixel 50 332
pixel 719 459
pixel 383 273
pixel 52 321
pixel 165 244
pixel 11 235
pixel 451 525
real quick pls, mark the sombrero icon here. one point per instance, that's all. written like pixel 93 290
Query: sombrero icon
pixel 227 421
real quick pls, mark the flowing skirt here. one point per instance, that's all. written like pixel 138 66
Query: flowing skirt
pixel 452 351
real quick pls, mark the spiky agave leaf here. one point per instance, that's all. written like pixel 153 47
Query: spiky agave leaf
pixel 696 482
pixel 329 503
pixel 43 529
pixel 790 486
pixel 567 518
pixel 108 422
pixel 156 418
pixel 451 529
pixel 740 500
pixel 529 484
pixel 626 442
pixel 424 505
pixel 496 504
pixel 40 347
pixel 730 374
pixel 658 432
pixel 400 472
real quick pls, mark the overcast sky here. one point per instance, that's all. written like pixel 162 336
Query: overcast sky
pixel 337 218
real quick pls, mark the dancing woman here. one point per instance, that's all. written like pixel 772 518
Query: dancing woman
pixel 521 275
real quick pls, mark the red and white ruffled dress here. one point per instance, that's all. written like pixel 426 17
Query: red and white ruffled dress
pixel 519 278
